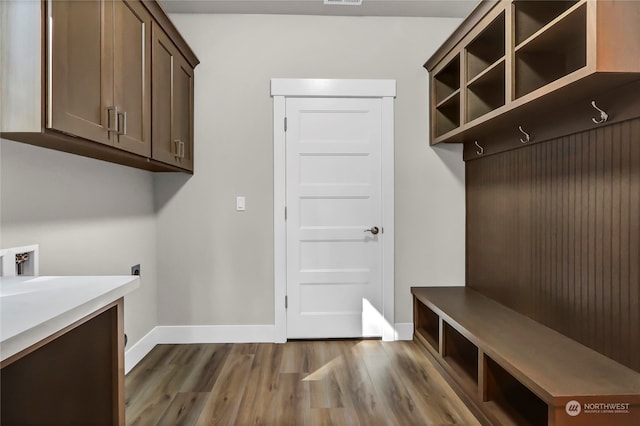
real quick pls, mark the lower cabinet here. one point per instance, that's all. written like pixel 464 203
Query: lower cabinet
pixel 172 100
pixel 74 377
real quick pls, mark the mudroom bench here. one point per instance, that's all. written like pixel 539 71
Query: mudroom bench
pixel 511 369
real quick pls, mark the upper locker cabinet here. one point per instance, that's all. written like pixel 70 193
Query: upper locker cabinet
pixel 99 86
pixel 172 99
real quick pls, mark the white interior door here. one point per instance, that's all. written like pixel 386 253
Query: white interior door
pixel 333 196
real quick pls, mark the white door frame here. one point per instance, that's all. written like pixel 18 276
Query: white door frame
pixel 281 88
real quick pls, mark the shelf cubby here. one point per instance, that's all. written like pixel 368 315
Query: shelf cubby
pixel 531 16
pixel 522 58
pixel 428 325
pixel 510 401
pixel 552 54
pixel 447 81
pixel 487 91
pixel 487 48
pixel 447 115
pixel 512 370
pixel 461 355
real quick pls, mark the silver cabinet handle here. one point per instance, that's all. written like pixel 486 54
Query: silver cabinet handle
pixel 124 123
pixel 181 149
pixel 114 128
pixel 176 143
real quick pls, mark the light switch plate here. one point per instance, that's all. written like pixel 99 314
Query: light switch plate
pixel 240 204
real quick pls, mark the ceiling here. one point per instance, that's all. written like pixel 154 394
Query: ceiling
pixel 426 8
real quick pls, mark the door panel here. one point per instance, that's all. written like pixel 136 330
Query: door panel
pixel 132 60
pixel 334 283
pixel 183 110
pixel 172 99
pixel 162 97
pixel 81 75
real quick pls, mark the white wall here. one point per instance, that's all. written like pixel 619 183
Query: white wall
pixel 89 217
pixel 215 266
pixel 212 265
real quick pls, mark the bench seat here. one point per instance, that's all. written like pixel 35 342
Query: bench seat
pixel 517 370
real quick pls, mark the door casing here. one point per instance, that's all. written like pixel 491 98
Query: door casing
pixel 335 88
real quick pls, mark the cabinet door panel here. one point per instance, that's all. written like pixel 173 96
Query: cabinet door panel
pixel 183 109
pixel 132 76
pixel 163 147
pixel 81 74
pixel 172 100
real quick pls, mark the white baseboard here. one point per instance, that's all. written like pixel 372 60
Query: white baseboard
pixel 185 334
pixel 141 348
pixel 216 334
pixel 404 331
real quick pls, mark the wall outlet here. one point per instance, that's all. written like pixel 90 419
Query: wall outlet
pixel 135 269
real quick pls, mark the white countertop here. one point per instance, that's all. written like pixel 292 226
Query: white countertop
pixel 34 308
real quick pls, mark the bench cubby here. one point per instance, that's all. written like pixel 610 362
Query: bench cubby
pixel 513 370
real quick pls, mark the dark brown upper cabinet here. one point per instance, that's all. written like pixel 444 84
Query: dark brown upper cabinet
pixel 172 96
pixel 100 72
pixel 519 62
pixel 85 85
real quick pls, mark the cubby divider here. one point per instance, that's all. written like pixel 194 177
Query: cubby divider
pixel 533 15
pixel 447 80
pixel 486 48
pixel 517 58
pixel 544 59
pixel 512 370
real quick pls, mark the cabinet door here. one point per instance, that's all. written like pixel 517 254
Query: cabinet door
pixel 183 110
pixel 80 71
pixel 172 100
pixel 132 78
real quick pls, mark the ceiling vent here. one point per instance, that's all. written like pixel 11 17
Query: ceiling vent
pixel 344 2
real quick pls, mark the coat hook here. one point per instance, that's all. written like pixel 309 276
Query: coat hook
pixel 481 148
pixel 527 137
pixel 603 115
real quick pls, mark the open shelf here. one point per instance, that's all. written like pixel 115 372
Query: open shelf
pixel 487 91
pixel 447 115
pixel 447 80
pixel 552 54
pixel 531 16
pixel 509 400
pixel 462 356
pixel 486 48
pixel 524 58
pixel 428 325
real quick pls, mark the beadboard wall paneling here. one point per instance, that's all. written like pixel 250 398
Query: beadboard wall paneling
pixel 553 231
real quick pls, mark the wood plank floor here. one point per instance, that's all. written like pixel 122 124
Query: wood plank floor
pixel 366 382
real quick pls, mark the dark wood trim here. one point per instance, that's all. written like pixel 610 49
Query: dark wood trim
pixel 73 145
pixel 511 383
pixel 553 232
pixel 117 361
pixel 161 17
pixel 54 336
pixel 75 376
pixel 463 29
pixel 555 116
